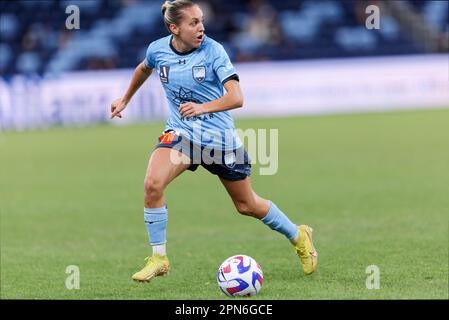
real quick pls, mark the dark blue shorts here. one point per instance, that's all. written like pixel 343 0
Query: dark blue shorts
pixel 230 165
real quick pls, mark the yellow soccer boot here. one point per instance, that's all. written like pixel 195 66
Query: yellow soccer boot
pixel 305 250
pixel 155 266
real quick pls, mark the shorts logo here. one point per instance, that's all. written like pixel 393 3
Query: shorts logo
pixel 163 73
pixel 229 160
pixel 199 73
pixel 167 137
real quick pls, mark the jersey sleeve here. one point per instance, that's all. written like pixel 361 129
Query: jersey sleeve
pixel 149 58
pixel 222 65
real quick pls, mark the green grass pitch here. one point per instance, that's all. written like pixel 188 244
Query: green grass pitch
pixel 375 188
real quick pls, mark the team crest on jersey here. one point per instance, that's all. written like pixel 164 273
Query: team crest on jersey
pixel 163 73
pixel 199 73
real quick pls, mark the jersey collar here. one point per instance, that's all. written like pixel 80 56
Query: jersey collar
pixel 183 53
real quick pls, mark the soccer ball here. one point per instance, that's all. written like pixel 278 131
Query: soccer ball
pixel 240 275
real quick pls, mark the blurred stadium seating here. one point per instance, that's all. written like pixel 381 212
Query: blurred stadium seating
pixel 115 33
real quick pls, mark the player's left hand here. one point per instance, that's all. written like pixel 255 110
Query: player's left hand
pixel 191 109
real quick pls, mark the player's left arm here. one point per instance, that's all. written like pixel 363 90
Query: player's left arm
pixel 232 99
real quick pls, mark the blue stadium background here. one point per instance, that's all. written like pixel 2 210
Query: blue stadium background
pixel 115 33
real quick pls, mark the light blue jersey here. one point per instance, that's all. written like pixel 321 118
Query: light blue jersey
pixel 197 76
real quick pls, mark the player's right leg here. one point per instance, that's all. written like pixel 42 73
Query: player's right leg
pixel 160 172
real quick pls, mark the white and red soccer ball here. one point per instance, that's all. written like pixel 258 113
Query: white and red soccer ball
pixel 240 275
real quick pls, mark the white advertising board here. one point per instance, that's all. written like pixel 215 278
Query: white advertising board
pixel 270 89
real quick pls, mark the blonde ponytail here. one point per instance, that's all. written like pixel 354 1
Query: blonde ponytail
pixel 172 11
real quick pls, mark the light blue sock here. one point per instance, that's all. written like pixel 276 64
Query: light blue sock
pixel 279 222
pixel 156 222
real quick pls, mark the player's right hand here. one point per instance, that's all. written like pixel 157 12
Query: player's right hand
pixel 117 106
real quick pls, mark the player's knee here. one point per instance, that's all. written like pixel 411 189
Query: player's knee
pixel 244 208
pixel 153 186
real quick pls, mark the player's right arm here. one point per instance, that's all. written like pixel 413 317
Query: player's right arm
pixel 141 74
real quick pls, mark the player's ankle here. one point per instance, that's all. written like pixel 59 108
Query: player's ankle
pixel 159 250
pixel 295 239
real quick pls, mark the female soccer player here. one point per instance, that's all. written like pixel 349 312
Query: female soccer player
pixel 194 70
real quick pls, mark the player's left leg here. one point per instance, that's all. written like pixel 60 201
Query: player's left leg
pixel 247 202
